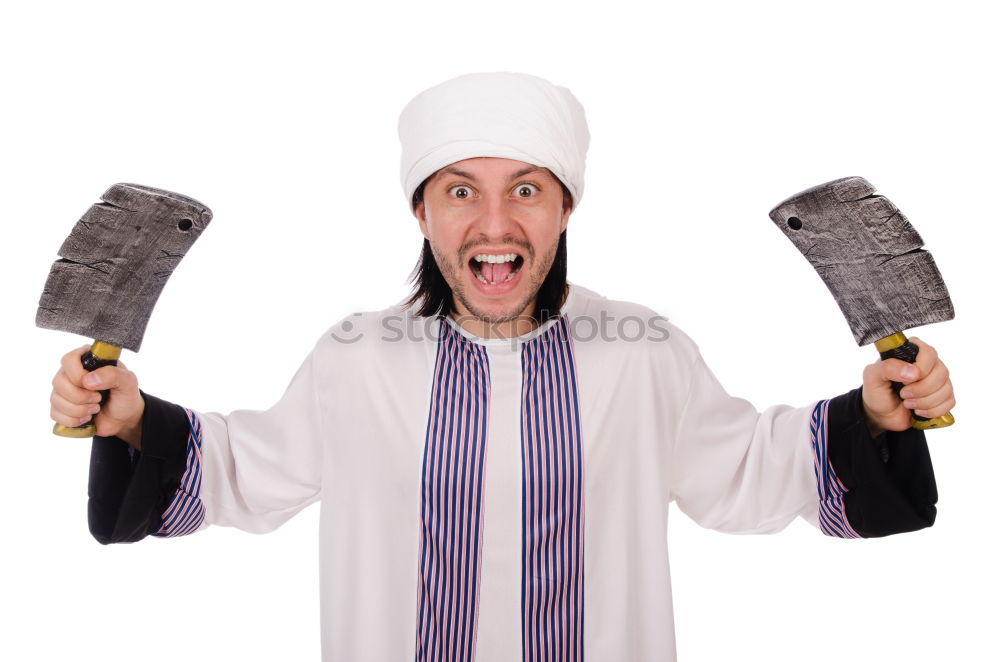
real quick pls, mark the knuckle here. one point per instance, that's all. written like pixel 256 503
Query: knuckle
pixel 65 391
pixel 72 375
pixel 929 353
pixel 106 374
pixel 61 383
pixel 874 371
pixel 64 408
pixel 73 356
pixel 61 418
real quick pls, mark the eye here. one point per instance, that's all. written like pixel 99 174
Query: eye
pixel 461 192
pixel 526 190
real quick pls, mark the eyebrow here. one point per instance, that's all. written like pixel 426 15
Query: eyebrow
pixel 451 170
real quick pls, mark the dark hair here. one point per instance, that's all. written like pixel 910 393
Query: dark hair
pixel 432 295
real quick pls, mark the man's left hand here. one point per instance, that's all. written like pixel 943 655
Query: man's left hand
pixel 927 390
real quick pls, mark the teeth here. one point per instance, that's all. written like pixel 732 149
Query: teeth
pixel 482 257
pixel 495 259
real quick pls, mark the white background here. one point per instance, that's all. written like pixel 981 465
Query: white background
pixel 704 115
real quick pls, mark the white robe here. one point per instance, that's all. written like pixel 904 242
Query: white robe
pixel 650 422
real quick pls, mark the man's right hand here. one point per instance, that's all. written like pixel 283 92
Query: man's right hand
pixel 76 397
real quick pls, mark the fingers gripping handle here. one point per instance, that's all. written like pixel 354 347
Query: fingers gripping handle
pixel 897 346
pixel 99 355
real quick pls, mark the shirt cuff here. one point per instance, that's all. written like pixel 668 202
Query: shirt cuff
pixel 129 490
pixel 873 486
pixel 186 511
pixel 833 520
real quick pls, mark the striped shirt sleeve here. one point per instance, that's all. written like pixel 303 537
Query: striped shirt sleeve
pixel 832 515
pixel 186 512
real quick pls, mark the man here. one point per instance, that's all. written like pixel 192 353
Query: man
pixel 495 471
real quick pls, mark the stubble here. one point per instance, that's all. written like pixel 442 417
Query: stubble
pixel 453 270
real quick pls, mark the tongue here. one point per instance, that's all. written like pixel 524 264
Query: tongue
pixel 496 272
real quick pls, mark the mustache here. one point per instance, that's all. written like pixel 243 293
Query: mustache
pixel 527 248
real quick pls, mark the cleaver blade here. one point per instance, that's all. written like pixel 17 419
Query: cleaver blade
pixel 115 262
pixel 112 268
pixel 873 262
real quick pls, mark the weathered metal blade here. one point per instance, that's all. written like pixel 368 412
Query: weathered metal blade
pixel 868 255
pixel 115 262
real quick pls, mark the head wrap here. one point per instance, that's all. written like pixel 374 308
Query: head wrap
pixel 504 115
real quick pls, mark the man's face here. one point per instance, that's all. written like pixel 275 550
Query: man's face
pixel 476 214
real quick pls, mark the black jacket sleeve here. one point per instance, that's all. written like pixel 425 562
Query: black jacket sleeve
pixel 889 479
pixel 129 490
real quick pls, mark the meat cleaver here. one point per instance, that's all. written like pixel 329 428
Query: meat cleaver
pixel 112 269
pixel 871 259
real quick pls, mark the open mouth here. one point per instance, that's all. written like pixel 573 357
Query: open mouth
pixel 495 269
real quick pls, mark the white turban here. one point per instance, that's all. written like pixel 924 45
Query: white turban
pixel 504 115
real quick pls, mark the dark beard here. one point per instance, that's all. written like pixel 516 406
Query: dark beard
pixel 455 278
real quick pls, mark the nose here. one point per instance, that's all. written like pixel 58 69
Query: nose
pixel 497 218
